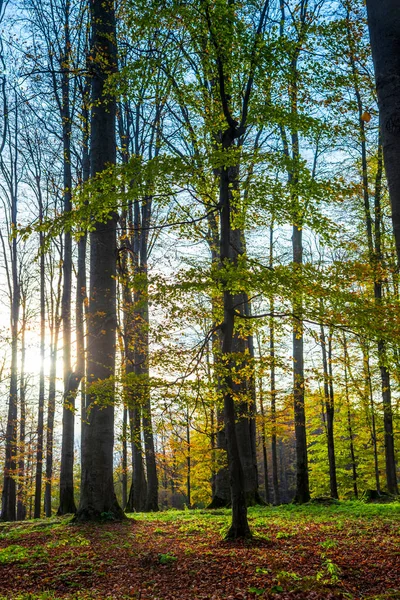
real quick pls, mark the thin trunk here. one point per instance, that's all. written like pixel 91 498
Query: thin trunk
pixel 390 462
pixel 143 356
pixel 302 482
pixel 370 396
pixel 134 383
pixel 247 441
pixel 40 422
pixel 22 482
pixel 188 462
pixel 124 458
pixel 9 493
pixel 283 470
pixel 213 450
pixel 50 420
pixel 275 481
pixel 81 292
pixel 264 442
pixel 9 496
pixel 137 493
pixel 329 409
pixel 349 421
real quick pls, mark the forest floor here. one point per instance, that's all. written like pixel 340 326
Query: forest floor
pixel 350 550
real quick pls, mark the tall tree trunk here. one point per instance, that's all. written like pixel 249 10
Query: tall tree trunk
pixel 50 429
pixel 188 461
pixel 264 441
pixel 329 409
pixel 384 30
pixel 390 462
pixel 67 502
pixel 133 385
pixel 275 480
pixel 221 493
pixel 97 486
pixel 292 152
pixel 81 292
pixel 50 421
pixel 124 457
pixel 40 422
pixel 349 421
pixel 370 399
pixel 245 423
pixel 302 482
pixel 9 496
pixel 22 481
pixel 55 329
pixel 142 302
pixel 228 256
pixel 374 236
pixel 137 493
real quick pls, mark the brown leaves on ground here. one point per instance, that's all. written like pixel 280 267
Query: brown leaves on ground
pixel 183 557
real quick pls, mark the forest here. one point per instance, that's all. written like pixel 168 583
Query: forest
pixel 200 298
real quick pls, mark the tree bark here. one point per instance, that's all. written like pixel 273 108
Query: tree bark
pixel 228 255
pixel 275 479
pixel 264 442
pixel 21 492
pixel 98 498
pixel 302 482
pixel 349 421
pixel 40 422
pixel 51 408
pixel 384 30
pixel 330 410
pixel 9 495
pixel 67 502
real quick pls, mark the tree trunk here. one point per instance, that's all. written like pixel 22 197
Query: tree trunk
pixel 384 30
pixel 370 398
pixel 292 152
pixel 67 502
pixel 21 492
pixel 50 418
pixel 124 458
pixel 133 383
pixel 81 292
pixel 142 303
pixel 137 493
pixel 329 409
pixel 390 461
pixel 387 83
pixel 40 424
pixel 228 255
pixel 9 496
pixel 97 488
pixel 275 480
pixel 302 483
pixel 349 421
pixel 188 462
pixel 264 443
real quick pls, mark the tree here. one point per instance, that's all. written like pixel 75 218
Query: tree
pixel 97 485
pixel 10 172
pixel 384 29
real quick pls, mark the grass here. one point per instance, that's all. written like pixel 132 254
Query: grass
pixel 345 550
